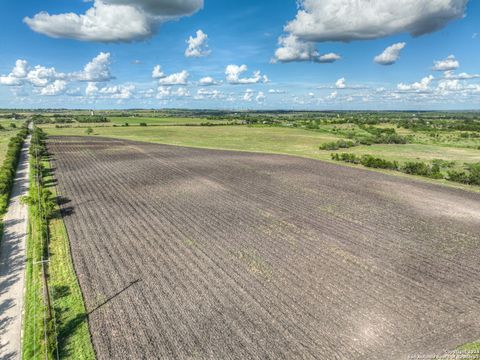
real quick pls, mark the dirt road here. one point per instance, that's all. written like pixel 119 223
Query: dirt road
pixel 12 263
pixel 189 253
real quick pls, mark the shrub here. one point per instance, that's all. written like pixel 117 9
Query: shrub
pixel 143 124
pixel 458 176
pixel 89 131
pixel 422 169
pixel 13 125
pixel 373 162
pixel 335 145
pixel 474 176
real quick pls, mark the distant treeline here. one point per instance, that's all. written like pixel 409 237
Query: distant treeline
pixel 68 119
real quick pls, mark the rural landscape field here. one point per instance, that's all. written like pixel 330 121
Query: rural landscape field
pixel 214 180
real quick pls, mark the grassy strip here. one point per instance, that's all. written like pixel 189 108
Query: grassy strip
pixel 69 328
pixel 9 169
pixel 74 335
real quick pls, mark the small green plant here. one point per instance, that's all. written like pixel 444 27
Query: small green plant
pixel 143 124
pixel 89 131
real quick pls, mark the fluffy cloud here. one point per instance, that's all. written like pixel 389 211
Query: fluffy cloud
pixel 249 94
pixel 197 46
pixel 332 96
pixel 207 81
pixel 276 91
pixel 157 72
pixel 38 76
pixel 390 55
pixel 166 92
pixel 50 82
pixel 260 97
pixel 42 76
pixel 106 21
pixel 341 83
pixel 180 78
pixel 347 20
pixel 462 76
pixel 419 86
pixel 17 75
pixel 450 63
pixel 233 75
pixel 58 87
pixel 293 49
pixel 118 91
pixel 91 89
pixel 97 70
pixel 208 94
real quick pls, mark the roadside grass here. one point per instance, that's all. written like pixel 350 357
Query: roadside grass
pixel 73 334
pixel 72 330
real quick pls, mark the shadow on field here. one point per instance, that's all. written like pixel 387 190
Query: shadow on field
pixel 114 296
pixel 69 327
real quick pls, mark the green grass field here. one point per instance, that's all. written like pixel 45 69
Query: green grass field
pixel 135 121
pixel 281 140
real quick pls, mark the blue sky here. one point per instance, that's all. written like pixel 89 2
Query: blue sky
pixel 105 59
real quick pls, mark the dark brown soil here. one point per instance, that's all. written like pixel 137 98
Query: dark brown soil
pixel 200 254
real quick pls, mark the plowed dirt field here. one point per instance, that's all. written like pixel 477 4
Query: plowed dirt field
pixel 186 253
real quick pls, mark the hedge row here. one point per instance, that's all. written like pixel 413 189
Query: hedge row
pixel 433 171
pixel 9 166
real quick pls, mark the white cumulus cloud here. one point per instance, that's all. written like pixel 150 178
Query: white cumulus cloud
pixel 341 83
pixel 293 49
pixel 390 55
pixel 157 72
pixel 113 20
pixel 450 63
pixel 233 75
pixel 347 20
pixel 197 46
pixel 180 78
pixel 97 70
pixel 58 87
pixel 207 81
pixel 419 86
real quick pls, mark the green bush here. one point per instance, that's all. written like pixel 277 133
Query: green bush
pixel 474 176
pixel 373 162
pixel 9 167
pixel 143 124
pixel 458 176
pixel 335 145
pixel 422 169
